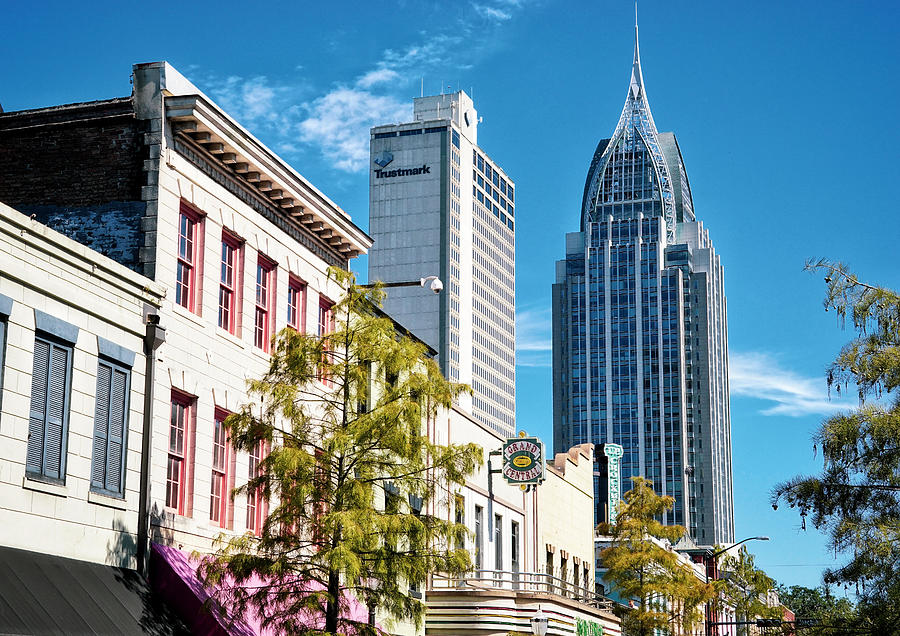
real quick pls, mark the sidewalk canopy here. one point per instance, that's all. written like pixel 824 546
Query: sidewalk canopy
pixel 45 594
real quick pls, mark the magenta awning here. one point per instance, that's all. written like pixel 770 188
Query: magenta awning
pixel 173 575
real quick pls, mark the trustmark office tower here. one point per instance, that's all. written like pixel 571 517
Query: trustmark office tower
pixel 439 206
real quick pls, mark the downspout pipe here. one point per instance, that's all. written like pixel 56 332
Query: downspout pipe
pixel 154 336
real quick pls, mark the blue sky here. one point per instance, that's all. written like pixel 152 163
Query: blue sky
pixel 785 113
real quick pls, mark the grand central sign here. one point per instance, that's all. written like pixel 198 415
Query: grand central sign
pixel 523 460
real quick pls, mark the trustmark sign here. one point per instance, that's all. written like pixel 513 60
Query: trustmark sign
pixel 523 460
pixel 385 157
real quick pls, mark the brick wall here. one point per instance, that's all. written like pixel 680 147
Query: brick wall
pixel 112 229
pixel 79 169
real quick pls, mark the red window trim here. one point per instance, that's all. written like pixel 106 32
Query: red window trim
pixel 184 498
pixel 233 325
pixel 264 314
pixel 325 327
pixel 195 275
pixel 257 505
pixel 296 315
pixel 225 504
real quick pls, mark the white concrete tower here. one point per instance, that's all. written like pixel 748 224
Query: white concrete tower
pixel 439 205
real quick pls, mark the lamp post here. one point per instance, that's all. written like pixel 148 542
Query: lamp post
pixel 434 284
pixel 539 623
pixel 714 556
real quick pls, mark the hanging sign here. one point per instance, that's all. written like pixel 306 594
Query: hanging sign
pixel 523 460
pixel 614 453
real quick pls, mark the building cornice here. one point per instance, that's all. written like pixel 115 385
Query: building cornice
pixel 247 161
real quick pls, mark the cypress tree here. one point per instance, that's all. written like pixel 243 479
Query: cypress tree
pixel 358 490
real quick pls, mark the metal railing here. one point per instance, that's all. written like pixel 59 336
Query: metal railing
pixel 527 582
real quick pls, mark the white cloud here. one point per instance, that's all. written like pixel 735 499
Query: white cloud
pixel 249 100
pixel 760 376
pixel 377 76
pixel 339 123
pixel 492 13
pixel 534 341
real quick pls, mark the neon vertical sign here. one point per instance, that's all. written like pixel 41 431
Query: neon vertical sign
pixel 614 453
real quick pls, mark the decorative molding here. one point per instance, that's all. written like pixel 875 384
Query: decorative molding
pixel 268 210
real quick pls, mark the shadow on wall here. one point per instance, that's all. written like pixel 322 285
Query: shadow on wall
pixel 161 523
pixel 156 619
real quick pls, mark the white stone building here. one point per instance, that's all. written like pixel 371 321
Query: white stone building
pixel 243 243
pixel 438 205
pixel 72 422
pixel 530 549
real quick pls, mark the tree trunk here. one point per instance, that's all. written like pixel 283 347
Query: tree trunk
pixel 333 606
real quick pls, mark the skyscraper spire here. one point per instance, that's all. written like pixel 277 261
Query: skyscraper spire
pixel 636 126
pixel 637 81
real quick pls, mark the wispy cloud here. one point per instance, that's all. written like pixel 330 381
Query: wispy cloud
pixel 492 13
pixel 339 122
pixel 534 340
pixel 761 376
pixel 256 101
pixel 377 76
pixel 335 120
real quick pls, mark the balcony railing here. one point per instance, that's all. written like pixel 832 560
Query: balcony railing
pixel 528 582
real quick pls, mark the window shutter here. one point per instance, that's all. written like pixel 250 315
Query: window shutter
pixel 118 410
pixel 101 426
pixel 54 442
pixel 34 460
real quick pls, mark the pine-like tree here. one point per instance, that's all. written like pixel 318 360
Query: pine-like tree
pixel 745 589
pixel 856 498
pixel 642 567
pixel 357 489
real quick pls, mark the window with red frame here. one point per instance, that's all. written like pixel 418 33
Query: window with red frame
pixel 326 326
pixel 256 503
pixel 222 479
pixel 179 473
pixel 265 294
pixel 230 283
pixel 296 304
pixel 187 278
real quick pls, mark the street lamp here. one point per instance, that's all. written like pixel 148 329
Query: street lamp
pixel 539 623
pixel 434 284
pixel 714 557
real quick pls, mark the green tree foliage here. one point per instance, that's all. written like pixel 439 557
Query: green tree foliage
pixel 820 607
pixel 745 588
pixel 639 565
pixel 354 482
pixel 856 498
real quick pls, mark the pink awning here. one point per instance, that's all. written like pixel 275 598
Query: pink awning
pixel 173 574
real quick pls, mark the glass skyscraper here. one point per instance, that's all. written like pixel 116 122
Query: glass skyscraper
pixel 640 354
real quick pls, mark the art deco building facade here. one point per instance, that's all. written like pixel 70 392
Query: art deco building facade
pixel 639 323
pixel 439 206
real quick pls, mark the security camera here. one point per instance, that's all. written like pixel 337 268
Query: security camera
pixel 434 285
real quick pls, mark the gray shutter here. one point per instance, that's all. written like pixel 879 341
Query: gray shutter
pixel 101 426
pixel 118 416
pixel 34 461
pixel 54 442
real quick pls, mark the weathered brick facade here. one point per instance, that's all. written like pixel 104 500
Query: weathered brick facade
pixel 79 169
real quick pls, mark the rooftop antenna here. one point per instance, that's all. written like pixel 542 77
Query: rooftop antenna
pixel 422 90
pixel 442 87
